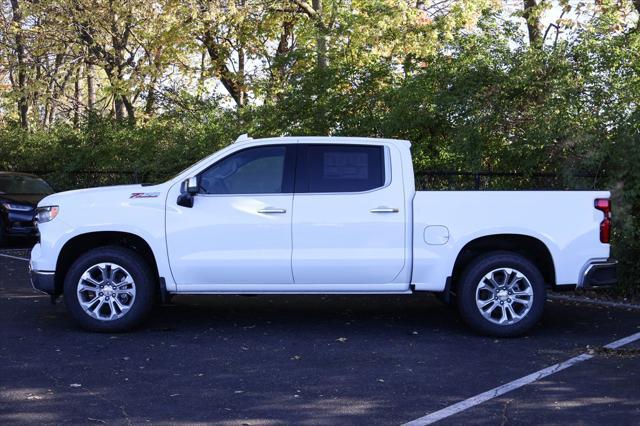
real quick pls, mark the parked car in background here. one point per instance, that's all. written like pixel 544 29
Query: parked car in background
pixel 19 196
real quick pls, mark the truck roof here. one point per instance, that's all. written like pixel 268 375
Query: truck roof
pixel 244 138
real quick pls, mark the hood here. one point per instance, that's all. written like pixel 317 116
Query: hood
pixel 121 193
pixel 29 199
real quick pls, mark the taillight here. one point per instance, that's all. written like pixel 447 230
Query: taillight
pixel 604 205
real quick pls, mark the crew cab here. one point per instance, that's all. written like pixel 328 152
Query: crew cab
pixel 317 215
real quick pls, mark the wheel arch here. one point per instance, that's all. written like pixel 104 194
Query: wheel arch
pixel 80 244
pixel 527 246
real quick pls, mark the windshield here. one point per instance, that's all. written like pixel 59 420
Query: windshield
pixel 18 184
pixel 195 164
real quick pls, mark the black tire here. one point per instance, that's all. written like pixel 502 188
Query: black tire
pixel 141 274
pixel 470 281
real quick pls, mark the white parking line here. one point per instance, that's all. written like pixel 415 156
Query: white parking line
pixel 501 390
pixel 623 341
pixel 14 257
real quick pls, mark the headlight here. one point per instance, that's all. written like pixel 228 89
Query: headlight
pixel 46 214
pixel 17 207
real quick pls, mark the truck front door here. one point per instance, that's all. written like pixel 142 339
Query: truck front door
pixel 239 228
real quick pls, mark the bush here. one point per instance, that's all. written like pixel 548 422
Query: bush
pixel 152 152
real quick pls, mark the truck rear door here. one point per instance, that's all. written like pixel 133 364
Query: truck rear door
pixel 348 224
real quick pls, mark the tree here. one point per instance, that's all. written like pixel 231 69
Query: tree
pixel 222 41
pixel 132 42
pixel 20 84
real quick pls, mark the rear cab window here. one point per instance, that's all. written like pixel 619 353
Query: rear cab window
pixel 334 168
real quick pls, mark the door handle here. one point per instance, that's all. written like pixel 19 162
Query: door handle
pixel 270 210
pixel 384 210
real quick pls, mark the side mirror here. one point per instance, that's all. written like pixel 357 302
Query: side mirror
pixel 191 185
pixel 189 189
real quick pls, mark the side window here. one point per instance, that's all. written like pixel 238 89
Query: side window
pixel 259 170
pixel 344 168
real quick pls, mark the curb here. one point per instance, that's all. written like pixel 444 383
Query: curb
pixel 582 299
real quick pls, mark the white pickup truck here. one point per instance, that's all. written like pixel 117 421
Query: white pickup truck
pixel 317 215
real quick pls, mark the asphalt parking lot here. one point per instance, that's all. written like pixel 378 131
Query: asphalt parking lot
pixel 306 360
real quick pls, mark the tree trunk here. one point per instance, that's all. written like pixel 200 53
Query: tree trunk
pixel 321 58
pixel 77 93
pixel 131 112
pixel 533 22
pixel 321 40
pixel 91 88
pixel 283 47
pixel 242 95
pixel 52 112
pixel 118 107
pixel 314 11
pixel 150 104
pixel 151 99
pixel 226 76
pixel 201 78
pixel 23 105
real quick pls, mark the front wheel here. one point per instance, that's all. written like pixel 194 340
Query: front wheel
pixel 501 294
pixel 109 289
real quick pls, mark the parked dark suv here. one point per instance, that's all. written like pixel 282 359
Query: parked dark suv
pixel 19 196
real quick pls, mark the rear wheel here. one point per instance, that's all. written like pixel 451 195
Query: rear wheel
pixel 501 294
pixel 109 289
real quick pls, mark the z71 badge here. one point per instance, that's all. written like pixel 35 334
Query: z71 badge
pixel 145 195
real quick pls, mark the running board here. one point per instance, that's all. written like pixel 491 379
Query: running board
pixel 393 288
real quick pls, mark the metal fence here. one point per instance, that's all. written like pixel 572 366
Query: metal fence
pixel 66 180
pixel 488 180
pixel 431 180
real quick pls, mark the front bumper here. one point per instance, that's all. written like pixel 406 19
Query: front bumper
pixel 599 274
pixel 43 281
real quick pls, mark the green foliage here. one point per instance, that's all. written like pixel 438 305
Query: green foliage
pixel 154 151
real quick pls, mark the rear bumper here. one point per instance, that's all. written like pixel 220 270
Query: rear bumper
pixel 43 281
pixel 599 274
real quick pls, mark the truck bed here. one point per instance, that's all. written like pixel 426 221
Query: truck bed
pixel 446 221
